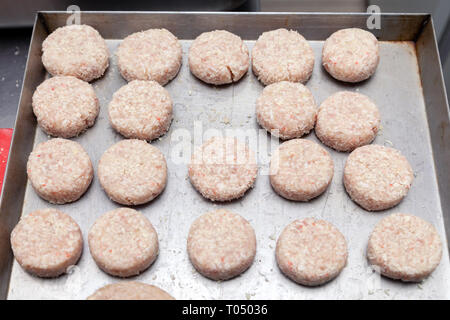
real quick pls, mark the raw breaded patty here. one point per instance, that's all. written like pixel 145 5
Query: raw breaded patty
pixel 65 106
pixel 130 290
pixel 404 247
pixel 282 55
pixel 123 242
pixel 75 50
pixel 300 170
pixel 221 244
pixel 347 120
pixel 132 172
pixel 377 177
pixel 286 109
pixel 311 252
pixel 59 170
pixel 154 54
pixel 351 55
pixel 141 110
pixel 218 57
pixel 47 242
pixel 223 169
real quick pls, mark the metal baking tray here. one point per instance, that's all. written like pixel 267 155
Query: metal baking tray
pixel 407 87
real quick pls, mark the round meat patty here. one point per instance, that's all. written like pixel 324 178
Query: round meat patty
pixel 221 244
pixel 141 110
pixel 223 169
pixel 130 290
pixel 286 109
pixel 59 170
pixel 282 55
pixel 132 172
pixel 347 120
pixel 65 106
pixel 218 57
pixel 351 55
pixel 47 242
pixel 300 170
pixel 75 50
pixel 377 177
pixel 154 54
pixel 311 252
pixel 404 247
pixel 123 242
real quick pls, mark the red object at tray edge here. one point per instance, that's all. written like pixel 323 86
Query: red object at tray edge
pixel 5 142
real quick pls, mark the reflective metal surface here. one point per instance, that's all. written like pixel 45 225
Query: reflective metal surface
pixel 13 57
pixel 411 120
pixel 10 16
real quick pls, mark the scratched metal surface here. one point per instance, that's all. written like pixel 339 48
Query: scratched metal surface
pixel 395 88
